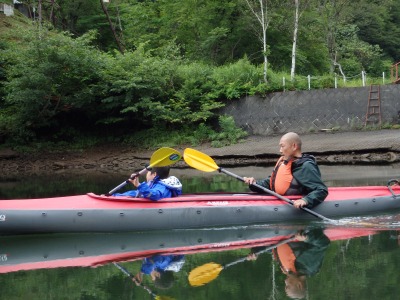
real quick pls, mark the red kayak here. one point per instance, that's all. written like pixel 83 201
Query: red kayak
pixel 95 213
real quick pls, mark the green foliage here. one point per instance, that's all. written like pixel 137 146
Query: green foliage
pixel 229 133
pixel 194 97
pixel 163 137
pixel 50 78
pixel 355 54
pixel 157 137
pixel 236 79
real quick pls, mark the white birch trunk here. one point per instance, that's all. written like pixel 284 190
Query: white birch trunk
pixel 261 13
pixel 296 27
pixel 264 38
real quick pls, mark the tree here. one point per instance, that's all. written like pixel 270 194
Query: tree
pixel 112 27
pixel 295 30
pixel 333 13
pixel 297 15
pixel 259 8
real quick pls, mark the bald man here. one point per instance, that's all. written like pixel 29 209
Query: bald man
pixel 295 173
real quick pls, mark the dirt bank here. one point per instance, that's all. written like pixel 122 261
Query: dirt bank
pixel 374 147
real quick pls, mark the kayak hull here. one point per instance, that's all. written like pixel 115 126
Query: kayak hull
pixel 96 213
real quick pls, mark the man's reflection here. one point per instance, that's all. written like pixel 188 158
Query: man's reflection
pixel 299 258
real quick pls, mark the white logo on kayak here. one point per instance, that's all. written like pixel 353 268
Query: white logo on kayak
pixel 220 245
pixel 3 257
pixel 218 203
pixel 2 218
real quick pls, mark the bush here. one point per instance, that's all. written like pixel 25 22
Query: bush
pixel 229 134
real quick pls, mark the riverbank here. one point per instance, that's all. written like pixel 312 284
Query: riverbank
pixel 359 147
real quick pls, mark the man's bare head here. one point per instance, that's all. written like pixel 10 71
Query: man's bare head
pixel 290 145
pixel 293 138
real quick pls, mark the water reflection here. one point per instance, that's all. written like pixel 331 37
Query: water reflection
pixel 26 252
pixel 299 258
pixel 138 282
pixel 200 262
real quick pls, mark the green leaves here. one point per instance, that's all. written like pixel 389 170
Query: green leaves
pixel 49 76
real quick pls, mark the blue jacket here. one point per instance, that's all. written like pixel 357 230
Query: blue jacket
pixel 162 263
pixel 156 189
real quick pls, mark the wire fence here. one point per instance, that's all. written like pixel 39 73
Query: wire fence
pixel 336 81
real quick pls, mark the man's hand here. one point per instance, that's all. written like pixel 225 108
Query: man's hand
pixel 249 180
pixel 300 203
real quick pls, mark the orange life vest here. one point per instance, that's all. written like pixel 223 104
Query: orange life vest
pixel 284 254
pixel 282 180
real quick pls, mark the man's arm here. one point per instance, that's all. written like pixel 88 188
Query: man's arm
pixel 309 176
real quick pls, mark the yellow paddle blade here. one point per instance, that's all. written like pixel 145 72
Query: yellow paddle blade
pixel 164 157
pixel 204 274
pixel 163 298
pixel 199 160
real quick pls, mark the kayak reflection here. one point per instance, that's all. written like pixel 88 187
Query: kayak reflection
pixel 148 251
pixel 30 252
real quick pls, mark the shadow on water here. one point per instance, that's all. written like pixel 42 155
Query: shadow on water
pixel 251 262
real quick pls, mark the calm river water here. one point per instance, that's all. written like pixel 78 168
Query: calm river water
pixel 225 263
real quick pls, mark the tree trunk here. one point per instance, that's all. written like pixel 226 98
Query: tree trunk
pixel 52 14
pixel 40 12
pixel 120 47
pixel 264 39
pixel 261 13
pixel 296 27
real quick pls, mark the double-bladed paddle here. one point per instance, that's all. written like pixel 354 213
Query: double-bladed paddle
pixel 203 162
pixel 204 274
pixel 161 158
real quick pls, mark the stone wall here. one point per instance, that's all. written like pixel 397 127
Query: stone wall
pixel 311 111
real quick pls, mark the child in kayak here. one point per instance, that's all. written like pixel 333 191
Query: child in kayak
pixel 158 185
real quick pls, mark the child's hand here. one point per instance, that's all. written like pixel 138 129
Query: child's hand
pixel 135 181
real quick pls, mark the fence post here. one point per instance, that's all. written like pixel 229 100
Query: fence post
pixel 383 77
pixel 309 82
pixel 335 81
pixel 363 77
pixel 284 83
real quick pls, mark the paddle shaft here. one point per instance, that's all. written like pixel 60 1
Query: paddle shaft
pixel 285 241
pixel 126 182
pixel 127 273
pixel 277 195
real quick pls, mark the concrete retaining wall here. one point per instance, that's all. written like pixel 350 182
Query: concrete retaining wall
pixel 310 111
